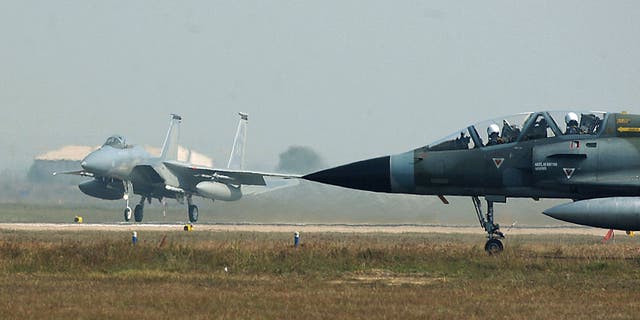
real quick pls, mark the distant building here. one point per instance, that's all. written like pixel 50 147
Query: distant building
pixel 68 158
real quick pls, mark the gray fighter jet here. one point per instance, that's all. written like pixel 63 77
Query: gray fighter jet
pixel 118 169
pixel 592 158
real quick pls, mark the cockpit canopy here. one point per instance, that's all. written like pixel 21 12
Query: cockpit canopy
pixel 116 141
pixel 522 127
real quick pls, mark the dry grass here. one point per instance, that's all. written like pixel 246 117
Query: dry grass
pixel 341 276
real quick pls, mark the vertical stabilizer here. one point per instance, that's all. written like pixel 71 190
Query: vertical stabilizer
pixel 236 160
pixel 170 145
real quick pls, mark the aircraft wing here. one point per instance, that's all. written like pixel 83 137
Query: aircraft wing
pixel 230 176
pixel 76 173
pixel 272 185
pixel 245 177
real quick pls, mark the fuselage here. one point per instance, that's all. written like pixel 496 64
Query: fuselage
pixel 563 167
pixel 117 163
pixel 540 157
pixel 114 166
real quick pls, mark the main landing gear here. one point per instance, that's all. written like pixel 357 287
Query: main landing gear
pixel 493 245
pixel 193 210
pixel 138 212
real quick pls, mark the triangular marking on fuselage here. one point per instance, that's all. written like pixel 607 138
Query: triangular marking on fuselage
pixel 498 162
pixel 569 172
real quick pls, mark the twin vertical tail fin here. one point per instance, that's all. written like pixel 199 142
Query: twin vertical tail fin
pixel 170 145
pixel 236 160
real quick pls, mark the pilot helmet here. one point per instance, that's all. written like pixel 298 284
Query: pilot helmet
pixel 571 117
pixel 493 128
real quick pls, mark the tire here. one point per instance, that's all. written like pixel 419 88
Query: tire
pixel 193 213
pixel 127 214
pixel 493 246
pixel 138 213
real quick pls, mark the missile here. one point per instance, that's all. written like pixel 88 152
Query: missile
pixel 621 213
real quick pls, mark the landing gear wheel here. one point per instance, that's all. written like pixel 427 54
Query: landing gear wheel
pixel 127 214
pixel 193 213
pixel 138 213
pixel 493 246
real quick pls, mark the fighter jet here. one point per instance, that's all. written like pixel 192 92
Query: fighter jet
pixel 592 158
pixel 119 169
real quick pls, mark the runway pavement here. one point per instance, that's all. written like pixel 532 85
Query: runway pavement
pixel 340 228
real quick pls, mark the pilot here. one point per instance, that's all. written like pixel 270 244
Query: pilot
pixel 494 131
pixel 539 130
pixel 571 119
pixel 462 142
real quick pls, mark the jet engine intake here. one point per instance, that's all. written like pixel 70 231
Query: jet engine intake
pixel 218 191
pixel 103 190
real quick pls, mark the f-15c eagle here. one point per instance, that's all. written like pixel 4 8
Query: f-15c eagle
pixel 118 169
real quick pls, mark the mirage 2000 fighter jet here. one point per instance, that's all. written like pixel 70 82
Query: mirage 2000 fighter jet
pixel 592 158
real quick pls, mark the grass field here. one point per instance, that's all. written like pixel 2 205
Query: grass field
pixel 80 274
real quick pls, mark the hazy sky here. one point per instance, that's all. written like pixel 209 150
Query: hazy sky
pixel 351 79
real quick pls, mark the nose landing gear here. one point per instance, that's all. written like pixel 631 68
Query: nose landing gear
pixel 493 244
pixel 127 214
pixel 138 212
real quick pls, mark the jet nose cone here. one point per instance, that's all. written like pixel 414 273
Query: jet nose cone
pixel 88 163
pixel 93 163
pixel 368 175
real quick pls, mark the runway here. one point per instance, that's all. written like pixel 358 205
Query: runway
pixel 315 228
